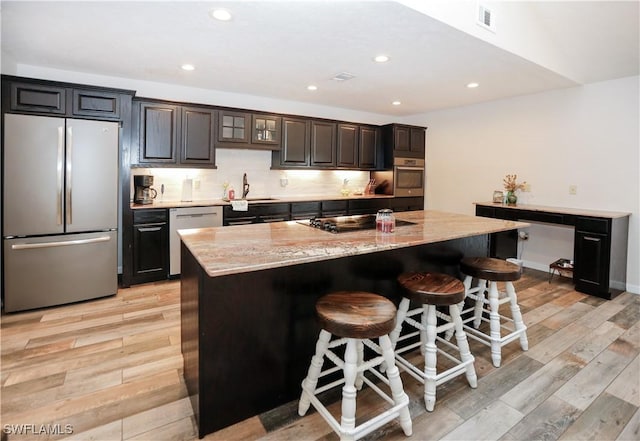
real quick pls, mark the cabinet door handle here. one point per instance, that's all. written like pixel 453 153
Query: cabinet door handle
pixel 149 229
pixel 278 219
pixel 592 239
pixel 245 222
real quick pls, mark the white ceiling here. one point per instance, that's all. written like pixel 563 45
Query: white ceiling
pixel 276 48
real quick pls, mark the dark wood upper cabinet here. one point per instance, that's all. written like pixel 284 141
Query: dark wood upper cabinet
pixel 295 144
pixel 158 134
pixel 323 144
pixel 266 130
pixel 369 146
pixel 246 130
pixel 234 127
pixel 38 98
pixel 348 136
pixel 403 141
pixel 173 135
pixel 64 101
pixel 95 103
pixel 198 126
pixel 417 139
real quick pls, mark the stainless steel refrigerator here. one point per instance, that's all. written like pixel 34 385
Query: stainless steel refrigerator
pixel 60 217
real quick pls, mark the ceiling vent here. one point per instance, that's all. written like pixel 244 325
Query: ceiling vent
pixel 343 76
pixel 485 18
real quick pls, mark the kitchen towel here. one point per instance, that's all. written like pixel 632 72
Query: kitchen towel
pixel 240 205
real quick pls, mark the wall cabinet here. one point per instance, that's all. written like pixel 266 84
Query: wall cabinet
pixel 348 143
pixel 150 245
pixel 266 130
pixel 369 148
pixel 323 144
pixel 49 99
pixel 404 141
pixel 248 130
pixel 234 127
pixel 174 135
pixel 295 144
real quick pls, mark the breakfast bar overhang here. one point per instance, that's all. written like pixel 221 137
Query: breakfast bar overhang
pixel 248 296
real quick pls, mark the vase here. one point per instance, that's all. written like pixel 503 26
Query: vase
pixel 512 199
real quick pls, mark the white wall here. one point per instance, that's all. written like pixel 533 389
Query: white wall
pixel 586 136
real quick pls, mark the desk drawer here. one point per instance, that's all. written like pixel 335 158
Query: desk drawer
pixel 592 224
pixel 537 216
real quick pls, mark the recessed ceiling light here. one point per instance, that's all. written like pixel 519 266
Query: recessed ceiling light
pixel 381 59
pixel 188 67
pixel 472 85
pixel 396 103
pixel 312 87
pixel 221 14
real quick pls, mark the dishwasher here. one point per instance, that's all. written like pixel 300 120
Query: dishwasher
pixel 183 219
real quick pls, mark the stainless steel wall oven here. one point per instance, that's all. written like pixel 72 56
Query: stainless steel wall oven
pixel 408 177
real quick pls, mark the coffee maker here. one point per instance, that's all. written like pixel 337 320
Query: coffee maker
pixel 144 194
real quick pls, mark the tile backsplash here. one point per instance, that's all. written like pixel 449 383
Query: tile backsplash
pixel 264 182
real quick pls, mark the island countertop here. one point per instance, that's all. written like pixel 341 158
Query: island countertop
pixel 244 248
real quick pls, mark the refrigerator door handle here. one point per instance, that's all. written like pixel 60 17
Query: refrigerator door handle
pixel 31 246
pixel 59 169
pixel 69 181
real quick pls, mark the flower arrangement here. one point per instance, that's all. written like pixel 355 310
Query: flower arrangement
pixel 511 185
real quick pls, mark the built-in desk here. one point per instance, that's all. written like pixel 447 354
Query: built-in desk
pixel 600 242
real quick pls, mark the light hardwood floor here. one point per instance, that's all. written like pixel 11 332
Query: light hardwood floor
pixel 111 369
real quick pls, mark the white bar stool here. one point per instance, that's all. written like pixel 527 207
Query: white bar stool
pixel 431 290
pixel 491 271
pixel 355 317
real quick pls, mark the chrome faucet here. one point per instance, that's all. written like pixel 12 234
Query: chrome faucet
pixel 245 186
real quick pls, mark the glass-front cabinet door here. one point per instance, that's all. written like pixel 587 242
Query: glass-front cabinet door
pixel 266 129
pixel 234 127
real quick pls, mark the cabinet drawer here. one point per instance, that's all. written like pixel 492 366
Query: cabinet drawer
pixel 96 104
pixel 506 214
pixel 593 224
pixel 36 98
pixel 305 207
pixel 334 206
pixel 485 211
pixel 536 216
pixel 149 216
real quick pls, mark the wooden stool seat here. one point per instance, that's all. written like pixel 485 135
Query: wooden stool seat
pixel 355 317
pixel 432 288
pixel 503 330
pixel 488 268
pixel 356 314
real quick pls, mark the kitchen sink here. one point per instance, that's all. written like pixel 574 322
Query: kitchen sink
pixel 260 199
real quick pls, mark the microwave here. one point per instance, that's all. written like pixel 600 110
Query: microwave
pixel 408 177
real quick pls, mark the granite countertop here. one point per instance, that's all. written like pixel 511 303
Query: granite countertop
pixel 559 210
pixel 245 248
pixel 266 200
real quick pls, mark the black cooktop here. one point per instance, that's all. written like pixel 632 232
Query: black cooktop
pixel 343 224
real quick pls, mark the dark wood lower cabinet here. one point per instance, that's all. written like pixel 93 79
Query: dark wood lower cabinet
pixel 599 249
pixel 222 351
pixel 150 245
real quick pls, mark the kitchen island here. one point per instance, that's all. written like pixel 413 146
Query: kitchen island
pixel 248 294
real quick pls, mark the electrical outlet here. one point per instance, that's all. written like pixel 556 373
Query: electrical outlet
pixel 573 189
pixel 196 184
